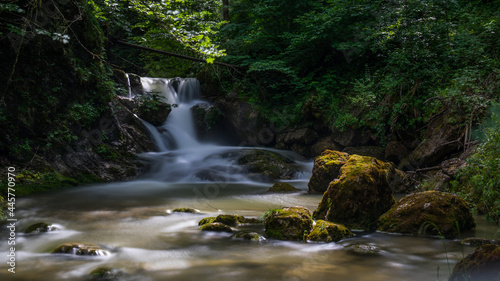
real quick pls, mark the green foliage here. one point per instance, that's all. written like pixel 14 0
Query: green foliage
pixel 149 101
pixel 479 181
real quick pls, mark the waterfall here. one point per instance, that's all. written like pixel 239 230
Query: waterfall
pixel 129 87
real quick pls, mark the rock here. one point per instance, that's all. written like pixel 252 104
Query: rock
pixel 268 165
pixel 281 187
pixel 372 151
pixel 106 274
pixel 474 241
pixel 216 226
pixel 253 221
pixel 40 227
pixel 185 210
pixel 428 213
pixel 363 249
pixel 451 167
pixel 326 168
pixel 325 231
pixel 481 265
pixel 395 152
pixel 231 220
pixel 359 196
pixel 304 136
pixel 323 144
pixel 155 115
pixel 206 220
pixel 290 223
pixel 247 236
pixel 80 249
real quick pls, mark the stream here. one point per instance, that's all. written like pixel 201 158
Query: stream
pixel 134 223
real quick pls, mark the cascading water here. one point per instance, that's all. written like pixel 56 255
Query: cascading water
pixel 186 159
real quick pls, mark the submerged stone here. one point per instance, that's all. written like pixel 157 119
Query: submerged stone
pixel 290 223
pixel 247 236
pixel 216 226
pixel 185 210
pixel 281 187
pixel 80 249
pixel 363 249
pixel 481 265
pixel 231 220
pixel 40 227
pixel 106 274
pixel 325 231
pixel 428 213
pixel 474 241
pixel 359 196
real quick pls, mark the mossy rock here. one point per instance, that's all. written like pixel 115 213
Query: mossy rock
pixel 428 213
pixel 474 241
pixel 363 249
pixel 106 274
pixel 326 168
pixel 185 210
pixel 40 227
pixel 206 220
pixel 253 236
pixel 252 221
pixel 282 187
pixel 290 223
pixel 231 220
pixel 216 226
pixel 360 196
pixel 267 165
pixel 80 249
pixel 481 265
pixel 325 231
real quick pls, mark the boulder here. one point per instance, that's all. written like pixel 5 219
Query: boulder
pixel 185 210
pixel 40 227
pixel 231 220
pixel 267 165
pixel 281 187
pixel 325 231
pixel 245 235
pixel 155 115
pixel 481 265
pixel 323 144
pixel 216 226
pixel 359 196
pixel 475 241
pixel 304 136
pixel 206 220
pixel 80 249
pixel 326 168
pixel 361 249
pixel 428 213
pixel 290 223
pixel 107 274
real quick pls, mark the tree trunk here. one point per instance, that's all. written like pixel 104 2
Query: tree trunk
pixel 225 10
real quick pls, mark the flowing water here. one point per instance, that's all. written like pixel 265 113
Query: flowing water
pixel 133 222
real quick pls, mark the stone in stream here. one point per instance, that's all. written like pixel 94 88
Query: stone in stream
pixel 326 168
pixel 80 249
pixel 325 231
pixel 217 227
pixel 264 165
pixel 245 235
pixel 282 187
pixel 361 249
pixel 428 213
pixel 481 265
pixel 106 274
pixel 290 223
pixel 360 195
pixel 475 241
pixel 206 220
pixel 40 227
pixel 185 210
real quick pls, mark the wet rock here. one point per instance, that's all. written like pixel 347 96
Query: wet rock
pixel 156 115
pixel 361 194
pixel 106 274
pixel 185 210
pixel 363 249
pixel 326 168
pixel 253 221
pixel 231 220
pixel 481 265
pixel 247 236
pixel 474 241
pixel 80 249
pixel 372 151
pixel 268 165
pixel 325 231
pixel 428 213
pixel 216 226
pixel 304 136
pixel 281 187
pixel 290 223
pixel 40 227
pixel 206 220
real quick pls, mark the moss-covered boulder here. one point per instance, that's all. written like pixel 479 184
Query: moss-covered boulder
pixel 231 220
pixel 481 265
pixel 325 231
pixel 428 213
pixel 282 187
pixel 267 165
pixel 360 196
pixel 206 220
pixel 185 210
pixel 40 227
pixel 245 235
pixel 290 223
pixel 475 241
pixel 326 168
pixel 80 249
pixel 216 226
pixel 155 112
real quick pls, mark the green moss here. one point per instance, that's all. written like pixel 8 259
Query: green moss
pixel 280 187
pixel 40 227
pixel 185 210
pixel 206 220
pixel 231 220
pixel 216 226
pixel 291 223
pixel 325 231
